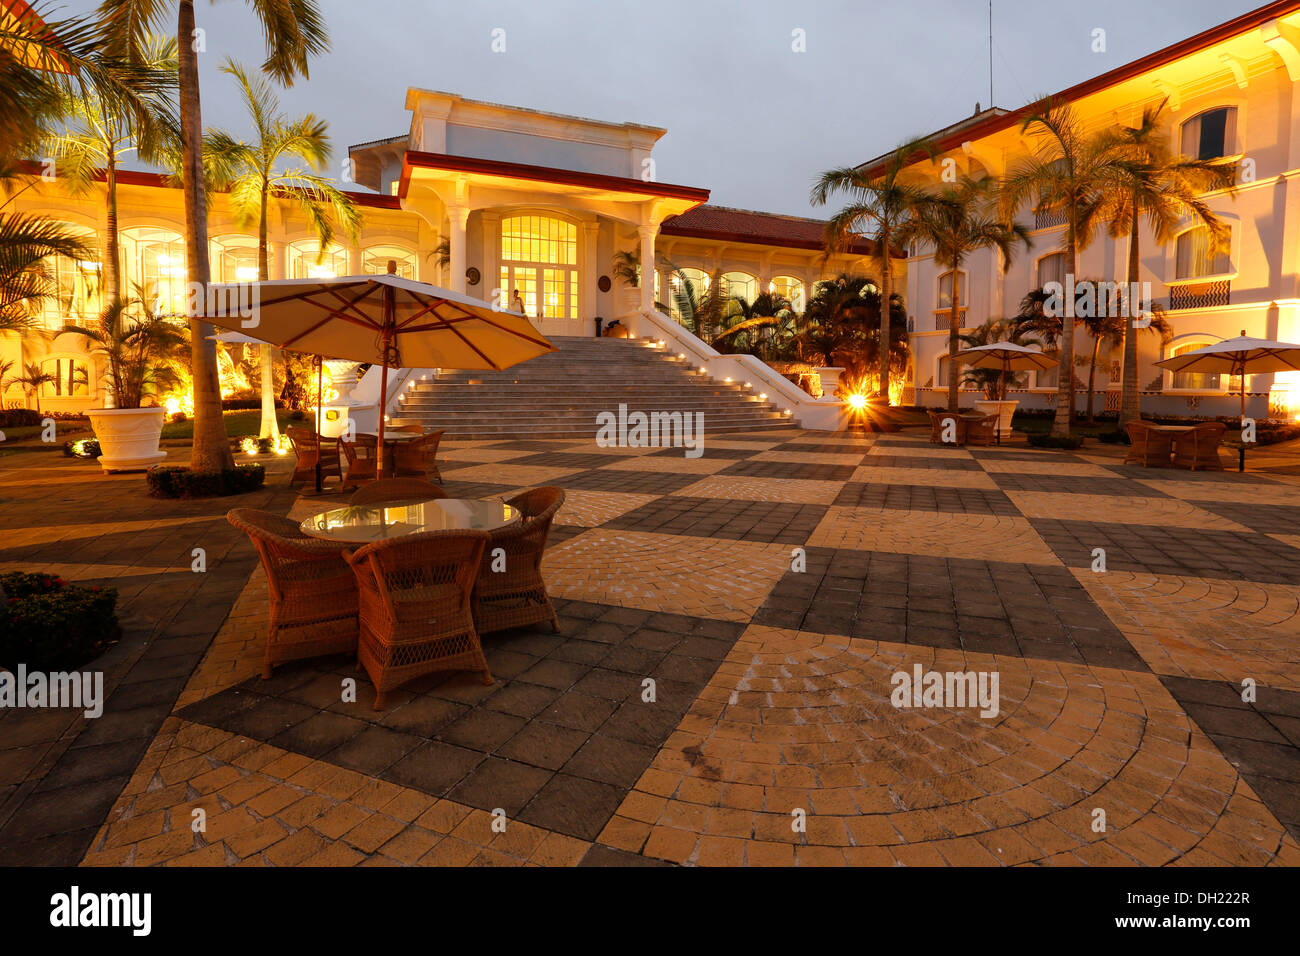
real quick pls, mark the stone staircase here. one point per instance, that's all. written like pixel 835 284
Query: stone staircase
pixel 559 395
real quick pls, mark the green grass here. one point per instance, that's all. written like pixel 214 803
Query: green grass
pixel 63 432
pixel 245 421
pixel 1042 425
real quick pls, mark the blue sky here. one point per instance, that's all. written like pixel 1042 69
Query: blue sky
pixel 747 116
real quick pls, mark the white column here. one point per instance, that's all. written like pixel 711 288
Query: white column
pixel 491 278
pixel 590 275
pixel 647 233
pixel 459 217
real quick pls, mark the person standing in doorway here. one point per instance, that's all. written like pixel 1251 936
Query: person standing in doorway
pixel 517 303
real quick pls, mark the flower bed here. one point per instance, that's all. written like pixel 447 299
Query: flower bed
pixel 49 624
pixel 177 481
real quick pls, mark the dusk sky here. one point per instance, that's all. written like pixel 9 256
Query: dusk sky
pixel 747 117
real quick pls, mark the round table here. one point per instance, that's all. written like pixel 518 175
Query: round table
pixel 361 524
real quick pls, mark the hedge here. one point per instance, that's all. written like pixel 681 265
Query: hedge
pixel 1056 441
pixel 51 625
pixel 177 481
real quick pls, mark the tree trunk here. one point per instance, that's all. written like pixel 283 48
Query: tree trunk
pixel 270 428
pixel 112 272
pixel 1092 377
pixel 1130 403
pixel 1065 380
pixel 954 324
pixel 886 284
pixel 211 449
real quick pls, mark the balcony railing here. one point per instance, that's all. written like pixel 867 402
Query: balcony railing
pixel 1200 295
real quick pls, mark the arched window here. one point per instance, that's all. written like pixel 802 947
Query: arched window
pixel 1194 380
pixel 71 378
pixel 234 259
pixel 1051 268
pixel 740 284
pixel 74 285
pixel 539 258
pixel 375 259
pixel 154 265
pixel 1211 134
pixel 943 299
pixel 1193 258
pixel 790 288
pixel 306 260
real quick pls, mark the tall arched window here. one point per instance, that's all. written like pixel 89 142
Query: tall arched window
pixel 790 288
pixel 154 264
pixel 539 260
pixel 740 284
pixel 307 261
pixel 1193 258
pixel 943 300
pixel 1194 380
pixel 1051 268
pixel 74 285
pixel 1211 134
pixel 234 259
pixel 375 259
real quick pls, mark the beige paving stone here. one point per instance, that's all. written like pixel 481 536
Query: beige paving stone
pixel 1204 627
pixel 1165 512
pixel 984 537
pixel 929 477
pixel 788 490
pixel 588 509
pixel 479 453
pixel 1047 467
pixel 727 580
pixel 673 464
pixel 810 458
pixel 1228 491
pixel 924 451
pixel 505 473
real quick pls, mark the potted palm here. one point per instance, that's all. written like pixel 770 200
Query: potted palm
pixel 138 347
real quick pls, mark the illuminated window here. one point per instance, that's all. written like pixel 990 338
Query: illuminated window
pixel 742 285
pixel 374 261
pixel 790 288
pixel 234 259
pixel 1193 380
pixel 71 378
pixel 539 257
pixel 1193 258
pixel 943 309
pixel 154 264
pixel 307 261
pixel 74 284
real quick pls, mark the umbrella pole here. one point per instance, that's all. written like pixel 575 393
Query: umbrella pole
pixel 1241 452
pixel 320 447
pixel 383 404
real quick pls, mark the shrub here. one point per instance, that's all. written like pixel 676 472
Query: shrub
pixel 51 625
pixel 1056 441
pixel 1114 438
pixel 19 417
pixel 82 448
pixel 177 481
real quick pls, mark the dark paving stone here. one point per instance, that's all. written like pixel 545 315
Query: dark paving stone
pixel 544 745
pixel 609 760
pixel 433 768
pixel 1167 550
pixel 567 459
pixel 1182 474
pixel 482 729
pixel 629 482
pixel 1267 519
pixel 789 469
pixel 940 462
pixel 1073 485
pixel 318 734
pixel 987 454
pixel 976 501
pixel 475 489
pixel 424 716
pixel 708 452
pixel 374 750
pixel 767 521
pixel 573 806
pixel 600 855
pixel 499 783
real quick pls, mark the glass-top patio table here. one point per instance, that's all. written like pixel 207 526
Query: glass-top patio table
pixel 361 524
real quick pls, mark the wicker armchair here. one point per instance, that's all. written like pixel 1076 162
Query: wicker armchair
pixel 405 429
pixel 362 457
pixel 938 424
pixel 313 590
pixel 395 489
pixel 1147 447
pixel 415 458
pixel 982 431
pixel 517 595
pixel 415 607
pixel 1199 448
pixel 310 447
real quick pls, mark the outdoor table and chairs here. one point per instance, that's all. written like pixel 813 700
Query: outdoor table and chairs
pixel 1179 446
pixel 428 575
pixel 967 428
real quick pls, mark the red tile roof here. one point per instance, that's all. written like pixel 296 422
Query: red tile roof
pixel 761 228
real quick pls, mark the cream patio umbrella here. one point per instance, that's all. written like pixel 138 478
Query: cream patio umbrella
pixel 1005 357
pixel 1239 356
pixel 383 320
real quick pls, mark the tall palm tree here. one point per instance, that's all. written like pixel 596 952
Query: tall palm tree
pixel 273 164
pixel 26 242
pixel 955 220
pixel 31 381
pixel 879 206
pixel 1068 172
pixel 293 31
pixel 101 129
pixel 755 321
pixel 1162 190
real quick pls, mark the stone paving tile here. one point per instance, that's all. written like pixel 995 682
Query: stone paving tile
pixel 800 727
pixel 788 490
pixel 1225 490
pixel 1167 512
pixel 926 453
pixel 1205 628
pixel 790 469
pixel 932 477
pixel 704 577
pixel 1063 468
pixel 739 519
pixel 510 473
pixel 994 537
pixel 1265 518
pixel 590 509
pixel 477 454
pixel 953 462
pixel 853 457
pixel 674 463
pixel 629 482
pixel 1068 484
pixel 976 501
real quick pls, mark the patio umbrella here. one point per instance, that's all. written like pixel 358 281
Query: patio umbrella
pixel 1005 357
pixel 1238 356
pixel 386 321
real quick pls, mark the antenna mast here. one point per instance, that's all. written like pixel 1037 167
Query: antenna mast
pixel 990 54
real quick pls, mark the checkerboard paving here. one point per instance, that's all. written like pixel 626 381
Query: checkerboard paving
pixel 720 690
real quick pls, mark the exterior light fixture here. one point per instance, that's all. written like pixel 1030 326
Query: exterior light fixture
pixel 762 396
pixel 858 401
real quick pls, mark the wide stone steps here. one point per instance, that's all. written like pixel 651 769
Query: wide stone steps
pixel 560 395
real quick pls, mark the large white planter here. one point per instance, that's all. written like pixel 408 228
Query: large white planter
pixel 1004 411
pixel 128 437
pixel 830 379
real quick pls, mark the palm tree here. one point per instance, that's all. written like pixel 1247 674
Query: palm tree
pixel 293 31
pixel 26 242
pixel 31 381
pixel 1067 173
pixel 101 129
pixel 1162 190
pixel 878 208
pixel 702 310
pixel 756 320
pixel 272 164
pixel 991 380
pixel 956 220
